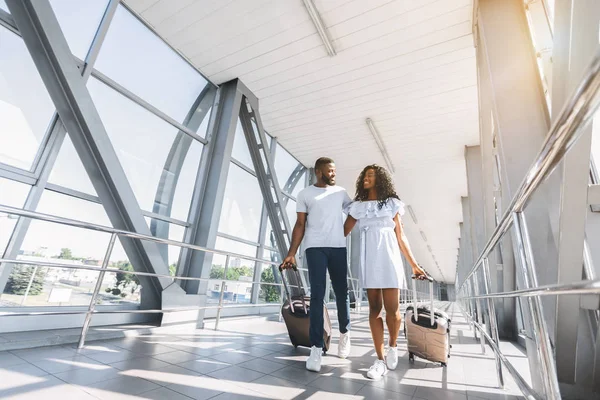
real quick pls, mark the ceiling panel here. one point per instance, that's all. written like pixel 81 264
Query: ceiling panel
pixel 407 64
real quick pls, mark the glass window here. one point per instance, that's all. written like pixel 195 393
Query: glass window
pixel 300 185
pixel 239 270
pixel 79 21
pixel 186 182
pixel 62 244
pixel 12 194
pixel 136 58
pixel 285 165
pixel 25 106
pixel 68 170
pixel 143 143
pixel 169 253
pixel 242 207
pixel 240 150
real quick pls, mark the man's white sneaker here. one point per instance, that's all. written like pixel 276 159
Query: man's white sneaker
pixel 377 370
pixel 391 358
pixel 344 346
pixel 314 360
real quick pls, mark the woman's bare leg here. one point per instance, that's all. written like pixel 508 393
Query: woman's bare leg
pixel 391 302
pixel 375 320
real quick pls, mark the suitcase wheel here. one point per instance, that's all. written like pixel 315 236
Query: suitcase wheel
pixel 411 357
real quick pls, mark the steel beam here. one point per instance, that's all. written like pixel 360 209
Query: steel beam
pixel 209 192
pixel 165 193
pixel 48 47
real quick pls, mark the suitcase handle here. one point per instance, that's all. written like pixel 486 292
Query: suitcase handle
pixel 415 303
pixel 287 289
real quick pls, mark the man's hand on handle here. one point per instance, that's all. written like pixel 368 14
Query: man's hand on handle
pixel 288 262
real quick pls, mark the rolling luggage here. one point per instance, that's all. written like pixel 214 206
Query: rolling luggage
pixel 296 311
pixel 428 331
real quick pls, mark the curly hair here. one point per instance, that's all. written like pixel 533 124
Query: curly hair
pixel 384 185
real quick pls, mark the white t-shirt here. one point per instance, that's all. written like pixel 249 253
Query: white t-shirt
pixel 325 220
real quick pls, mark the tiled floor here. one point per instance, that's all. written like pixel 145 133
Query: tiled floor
pixel 248 358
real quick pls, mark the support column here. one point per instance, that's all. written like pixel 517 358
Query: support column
pixel 502 266
pixel 521 118
pixel 49 50
pixel 576 40
pixel 210 190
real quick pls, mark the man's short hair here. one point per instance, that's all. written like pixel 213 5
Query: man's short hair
pixel 322 162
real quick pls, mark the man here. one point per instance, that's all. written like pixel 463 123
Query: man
pixel 320 223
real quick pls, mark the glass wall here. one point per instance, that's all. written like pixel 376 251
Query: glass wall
pixel 149 100
pixel 159 158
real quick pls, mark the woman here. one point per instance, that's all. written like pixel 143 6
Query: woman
pixel 377 208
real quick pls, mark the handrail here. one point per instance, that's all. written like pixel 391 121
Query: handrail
pixel 119 232
pixel 576 113
pixel 105 269
pixel 581 287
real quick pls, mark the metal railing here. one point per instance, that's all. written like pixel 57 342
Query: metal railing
pixel 104 268
pixel 567 129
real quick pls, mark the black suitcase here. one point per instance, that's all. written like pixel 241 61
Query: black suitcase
pixel 296 311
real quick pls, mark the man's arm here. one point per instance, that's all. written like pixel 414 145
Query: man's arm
pixel 297 236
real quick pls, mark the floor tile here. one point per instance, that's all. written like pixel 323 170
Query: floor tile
pixel 163 394
pixel 336 385
pixel 301 376
pixel 58 365
pixel 122 385
pixel 8 359
pixel 176 357
pixel 261 365
pixel 21 375
pixel 44 353
pixel 439 394
pixel 166 376
pixel 372 392
pixel 46 387
pixel 83 376
pixel 114 357
pixel 204 365
pixel 145 363
pixel 236 374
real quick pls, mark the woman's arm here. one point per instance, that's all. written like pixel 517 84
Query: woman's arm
pixel 405 247
pixel 349 225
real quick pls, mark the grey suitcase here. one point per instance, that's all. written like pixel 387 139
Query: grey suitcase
pixel 427 331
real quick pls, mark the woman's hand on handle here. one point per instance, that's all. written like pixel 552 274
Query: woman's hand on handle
pixel 419 273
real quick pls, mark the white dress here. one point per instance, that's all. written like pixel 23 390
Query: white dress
pixel 381 261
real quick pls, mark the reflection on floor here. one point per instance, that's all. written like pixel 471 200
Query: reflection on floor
pixel 248 358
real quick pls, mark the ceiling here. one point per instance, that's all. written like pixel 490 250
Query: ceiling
pixel 409 65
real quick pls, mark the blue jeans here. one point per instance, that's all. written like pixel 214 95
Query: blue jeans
pixel 319 261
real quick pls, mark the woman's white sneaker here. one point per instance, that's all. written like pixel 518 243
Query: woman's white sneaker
pixel 314 360
pixel 391 358
pixel 377 370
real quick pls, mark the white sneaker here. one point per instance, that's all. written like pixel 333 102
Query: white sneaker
pixel 344 346
pixel 314 360
pixel 391 358
pixel 377 370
